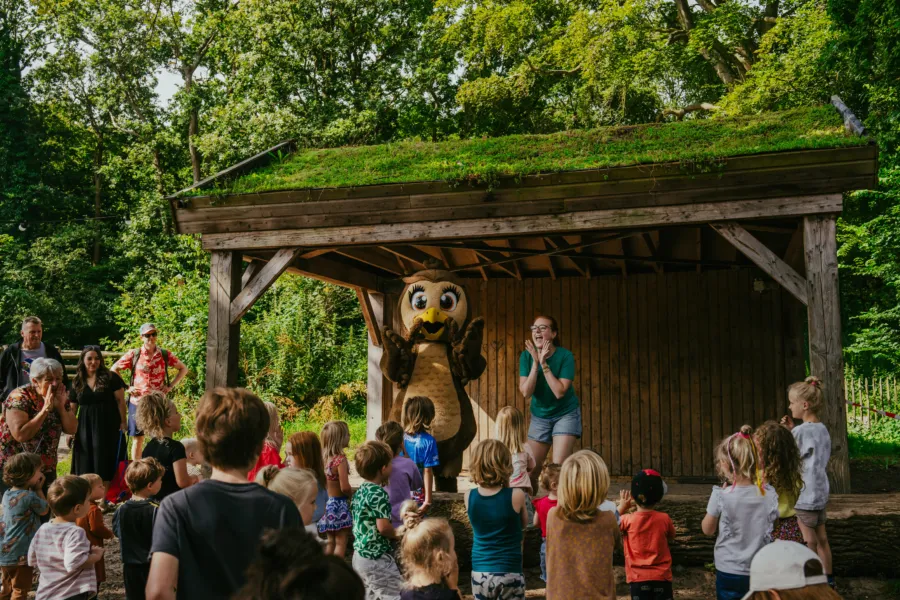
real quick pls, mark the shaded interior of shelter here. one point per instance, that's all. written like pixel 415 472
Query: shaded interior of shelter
pixel 678 338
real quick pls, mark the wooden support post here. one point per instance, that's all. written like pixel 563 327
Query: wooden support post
pixel 222 336
pixel 378 388
pixel 763 258
pixel 371 319
pixel 824 317
pixel 262 281
pixel 250 270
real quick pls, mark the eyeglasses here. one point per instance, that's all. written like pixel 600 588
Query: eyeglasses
pixel 541 328
pixel 150 335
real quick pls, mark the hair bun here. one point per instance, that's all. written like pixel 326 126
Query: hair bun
pixel 746 429
pixel 814 381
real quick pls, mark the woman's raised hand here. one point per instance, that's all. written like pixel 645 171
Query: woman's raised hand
pixel 544 352
pixel 529 346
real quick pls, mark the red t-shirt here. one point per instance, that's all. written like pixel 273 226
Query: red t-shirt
pixel 269 456
pixel 645 536
pixel 543 506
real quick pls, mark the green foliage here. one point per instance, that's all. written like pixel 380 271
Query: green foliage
pixel 487 158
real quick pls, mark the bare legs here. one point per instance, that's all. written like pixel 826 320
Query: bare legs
pixel 337 542
pixel 562 449
pixel 817 541
pixel 137 447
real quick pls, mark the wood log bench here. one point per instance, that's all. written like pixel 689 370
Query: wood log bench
pixel 863 531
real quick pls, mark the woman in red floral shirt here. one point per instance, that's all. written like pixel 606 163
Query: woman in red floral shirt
pixel 36 415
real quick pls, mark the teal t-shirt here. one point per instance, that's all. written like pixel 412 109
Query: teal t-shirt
pixel 543 403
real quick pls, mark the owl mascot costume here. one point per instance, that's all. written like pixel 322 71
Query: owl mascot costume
pixel 436 355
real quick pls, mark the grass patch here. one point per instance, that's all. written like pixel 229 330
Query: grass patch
pixel 357 430
pixel 881 452
pixel 698 143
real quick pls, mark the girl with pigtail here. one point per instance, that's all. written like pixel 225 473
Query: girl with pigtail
pixel 428 555
pixel 744 511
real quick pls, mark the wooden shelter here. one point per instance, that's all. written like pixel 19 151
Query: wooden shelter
pixel 678 258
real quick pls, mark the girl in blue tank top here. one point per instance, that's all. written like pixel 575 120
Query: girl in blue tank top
pixel 497 514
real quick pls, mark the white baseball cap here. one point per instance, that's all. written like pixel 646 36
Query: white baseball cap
pixel 780 566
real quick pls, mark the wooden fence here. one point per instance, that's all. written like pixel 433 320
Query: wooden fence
pixel 871 394
pixel 70 359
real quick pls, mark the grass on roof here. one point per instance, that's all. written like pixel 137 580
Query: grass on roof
pixel 487 159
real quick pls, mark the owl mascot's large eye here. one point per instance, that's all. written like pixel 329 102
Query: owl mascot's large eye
pixel 418 299
pixel 449 299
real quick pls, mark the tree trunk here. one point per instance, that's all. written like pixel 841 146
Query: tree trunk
pixel 193 124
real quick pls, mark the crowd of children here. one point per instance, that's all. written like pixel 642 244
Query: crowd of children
pixel 221 515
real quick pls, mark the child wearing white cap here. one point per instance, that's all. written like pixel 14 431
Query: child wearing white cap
pixel 788 571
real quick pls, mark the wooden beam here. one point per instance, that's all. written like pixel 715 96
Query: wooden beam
pixel 447 258
pixel 413 255
pixel 371 319
pixel 825 351
pixel 623 266
pixel 338 273
pixel 851 123
pixel 222 336
pixel 500 263
pixel 570 222
pixel 250 270
pixel 651 248
pixel 786 230
pixel 793 256
pixel 480 268
pixel 764 258
pixel 378 388
pixel 515 265
pixel 559 242
pixel 373 257
pixel 262 281
pixel 316 252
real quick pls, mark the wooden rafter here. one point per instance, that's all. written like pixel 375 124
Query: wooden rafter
pixel 369 316
pixel 261 281
pixel 478 265
pixel 621 261
pixel 495 255
pixel 447 258
pixel 764 258
pixel 250 270
pixel 652 249
pixel 558 242
pixel 373 257
pixel 410 253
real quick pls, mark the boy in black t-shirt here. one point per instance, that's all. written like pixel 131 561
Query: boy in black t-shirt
pixel 133 524
pixel 205 536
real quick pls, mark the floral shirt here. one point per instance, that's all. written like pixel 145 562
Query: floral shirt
pixel 150 372
pixel 46 440
pixel 370 503
pixel 20 517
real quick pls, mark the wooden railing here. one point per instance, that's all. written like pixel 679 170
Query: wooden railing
pixel 872 394
pixel 70 358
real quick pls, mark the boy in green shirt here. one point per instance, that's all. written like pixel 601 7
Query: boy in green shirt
pixel 372 528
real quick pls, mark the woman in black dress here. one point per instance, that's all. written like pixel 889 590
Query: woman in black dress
pixel 102 417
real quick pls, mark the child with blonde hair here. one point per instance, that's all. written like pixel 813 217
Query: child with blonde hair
pixel 542 506
pixel 297 484
pixel 337 522
pixel 418 444
pixel 512 432
pixel 159 418
pixel 805 402
pixel 306 453
pixel 580 536
pixel 779 459
pixel 93 524
pixel 196 464
pixel 744 510
pixel 271 452
pixel 428 554
pixel 497 514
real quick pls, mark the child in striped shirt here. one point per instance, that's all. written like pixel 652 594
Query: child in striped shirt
pixel 60 549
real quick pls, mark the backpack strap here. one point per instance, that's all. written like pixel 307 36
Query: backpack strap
pixel 135 357
pixel 165 357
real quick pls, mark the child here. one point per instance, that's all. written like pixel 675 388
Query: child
pixel 293 565
pixel 93 524
pixel 271 453
pixel 20 516
pixel 580 536
pixel 419 445
pixel 815 450
pixel 782 468
pixel 744 513
pixel 646 535
pixel 497 514
pixel 60 549
pixel 159 418
pixel 372 529
pixel 297 484
pixel 196 464
pixel 306 453
pixel 336 523
pixel 133 524
pixel 784 571
pixel 205 536
pixel 406 481
pixel 542 506
pixel 428 554
pixel 512 433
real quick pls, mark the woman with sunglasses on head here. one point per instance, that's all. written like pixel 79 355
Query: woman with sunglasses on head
pixel 546 372
pixel 102 417
pixel 149 366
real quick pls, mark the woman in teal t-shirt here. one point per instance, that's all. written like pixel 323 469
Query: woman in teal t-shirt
pixel 546 371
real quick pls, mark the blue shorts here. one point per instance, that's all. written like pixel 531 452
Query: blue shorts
pixel 132 420
pixel 731 587
pixel 544 430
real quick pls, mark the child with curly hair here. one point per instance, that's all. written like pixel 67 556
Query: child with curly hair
pixel 743 510
pixel 779 459
pixel 159 418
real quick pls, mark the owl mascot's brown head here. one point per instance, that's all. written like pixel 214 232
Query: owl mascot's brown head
pixel 433 296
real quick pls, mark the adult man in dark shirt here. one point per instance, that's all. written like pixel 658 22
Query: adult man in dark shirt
pixel 16 359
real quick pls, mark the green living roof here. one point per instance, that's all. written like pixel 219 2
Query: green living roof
pixel 486 159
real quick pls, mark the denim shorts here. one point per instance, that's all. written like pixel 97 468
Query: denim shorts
pixel 132 420
pixel 544 430
pixel 731 587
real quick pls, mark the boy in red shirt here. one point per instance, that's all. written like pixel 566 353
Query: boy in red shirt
pixel 542 506
pixel 646 534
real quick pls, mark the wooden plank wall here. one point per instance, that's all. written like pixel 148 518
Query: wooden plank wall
pixel 667 364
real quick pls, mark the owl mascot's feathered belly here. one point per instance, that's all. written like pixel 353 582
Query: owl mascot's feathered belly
pixel 436 359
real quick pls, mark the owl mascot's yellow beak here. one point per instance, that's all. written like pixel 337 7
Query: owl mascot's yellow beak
pixel 433 321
